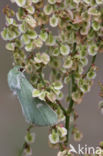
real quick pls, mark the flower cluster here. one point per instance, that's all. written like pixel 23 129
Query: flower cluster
pixel 57 135
pixel 52 91
pixel 77 22
pixel 53 41
pixel 77 134
pixel 61 116
pixel 29 139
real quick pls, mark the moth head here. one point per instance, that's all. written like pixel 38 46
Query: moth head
pixel 14 77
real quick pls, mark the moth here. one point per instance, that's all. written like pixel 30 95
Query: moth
pixel 36 111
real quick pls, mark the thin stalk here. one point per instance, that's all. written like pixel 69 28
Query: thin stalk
pixel 62 108
pixel 21 150
pixel 20 153
pixel 70 107
pixel 67 127
pixel 93 61
pixel 67 123
pixel 42 80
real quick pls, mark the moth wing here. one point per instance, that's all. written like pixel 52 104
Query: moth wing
pixel 35 110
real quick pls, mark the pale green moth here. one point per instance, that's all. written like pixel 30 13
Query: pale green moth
pixel 35 111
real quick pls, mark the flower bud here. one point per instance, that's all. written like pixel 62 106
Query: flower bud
pixel 91 74
pixel 10 46
pixel 38 42
pixel 52 1
pixel 20 3
pixel 43 36
pixel 58 85
pixel 30 138
pixel 64 49
pixel 30 10
pixel 77 97
pixel 50 40
pixel 28 151
pixel 77 1
pixel 99 2
pixel 93 11
pixel 77 135
pixel 36 93
pixel 54 21
pixel 29 47
pixel 54 137
pixel 68 63
pixel 62 131
pixel 96 26
pixel 92 49
pixel 31 21
pixel 48 9
pixel 35 1
pixel 31 34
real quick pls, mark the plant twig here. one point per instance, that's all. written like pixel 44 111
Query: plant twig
pixel 21 150
pixel 69 110
pixel 63 109
pixel 20 153
pixel 41 78
pixel 93 61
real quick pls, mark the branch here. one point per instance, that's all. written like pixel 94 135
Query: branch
pixel 20 153
pixel 60 105
pixel 69 110
pixel 67 124
pixel 93 61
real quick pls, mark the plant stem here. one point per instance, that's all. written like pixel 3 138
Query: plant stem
pixel 74 48
pixel 62 108
pixel 30 127
pixel 21 150
pixel 67 123
pixel 41 78
pixel 69 110
pixel 23 146
pixel 93 61
pixel 67 127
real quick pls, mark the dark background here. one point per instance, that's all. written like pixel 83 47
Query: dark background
pixel 13 126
